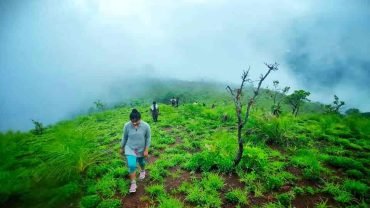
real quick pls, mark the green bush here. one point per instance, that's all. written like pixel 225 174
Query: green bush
pixel 201 197
pixel 356 187
pixel 298 190
pixel 217 154
pixel 308 160
pixel 212 181
pixel 168 202
pixel 310 190
pixel 274 182
pixel 355 174
pixel 344 162
pixel 123 187
pixel 286 198
pixel 110 203
pixel 90 201
pixel 106 186
pixel 237 196
pixel 205 192
pixel 337 192
pixel 156 191
pixel 276 130
pixel 254 159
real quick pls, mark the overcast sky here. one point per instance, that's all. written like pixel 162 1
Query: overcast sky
pixel 57 56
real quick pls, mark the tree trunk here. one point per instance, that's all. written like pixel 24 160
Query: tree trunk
pixel 296 112
pixel 240 143
pixel 239 155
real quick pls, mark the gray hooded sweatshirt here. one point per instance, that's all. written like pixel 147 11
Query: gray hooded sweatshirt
pixel 134 140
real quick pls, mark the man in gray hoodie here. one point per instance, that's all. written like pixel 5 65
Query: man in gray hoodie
pixel 135 145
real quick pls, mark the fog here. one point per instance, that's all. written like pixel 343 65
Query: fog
pixel 57 57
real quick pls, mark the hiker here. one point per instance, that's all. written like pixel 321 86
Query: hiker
pixel 155 111
pixel 225 117
pixel 177 102
pixel 135 145
pixel 173 101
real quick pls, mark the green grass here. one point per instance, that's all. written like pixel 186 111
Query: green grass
pixel 237 196
pixel 77 161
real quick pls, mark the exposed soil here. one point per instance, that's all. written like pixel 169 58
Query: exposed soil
pixel 167 129
pixel 294 170
pixel 257 201
pixel 305 182
pixel 304 201
pixel 134 199
pixel 232 181
pixel 173 183
pixel 277 148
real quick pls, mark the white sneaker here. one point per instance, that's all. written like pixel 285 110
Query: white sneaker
pixel 142 175
pixel 133 188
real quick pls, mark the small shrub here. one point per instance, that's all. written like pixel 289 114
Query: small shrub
pixel 337 192
pixel 308 160
pixel 123 187
pixel 110 203
pixel 355 174
pixel 286 198
pixel 298 190
pixel 254 158
pixel 97 171
pixel 212 181
pixel 39 129
pixel 184 187
pixel 199 196
pixel 273 205
pixel 356 187
pixel 165 202
pixel 237 196
pixel 106 186
pixel 90 201
pixel 310 190
pixel 274 182
pixel 345 162
pixel 321 204
pixel 156 191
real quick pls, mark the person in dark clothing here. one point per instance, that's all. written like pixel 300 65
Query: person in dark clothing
pixel 173 101
pixel 177 102
pixel 154 109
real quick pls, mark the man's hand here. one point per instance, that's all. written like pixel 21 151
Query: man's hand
pixel 146 152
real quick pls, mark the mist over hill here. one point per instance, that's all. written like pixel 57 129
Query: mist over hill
pixel 136 90
pixel 58 57
pixel 68 102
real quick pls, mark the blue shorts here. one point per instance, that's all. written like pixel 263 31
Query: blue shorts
pixel 132 161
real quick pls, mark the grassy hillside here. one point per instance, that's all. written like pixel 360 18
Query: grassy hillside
pixel 313 160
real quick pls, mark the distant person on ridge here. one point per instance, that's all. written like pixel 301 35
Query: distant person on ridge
pixel 173 101
pixel 135 145
pixel 177 102
pixel 155 111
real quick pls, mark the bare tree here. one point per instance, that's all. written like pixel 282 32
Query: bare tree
pixel 337 104
pixel 99 105
pixel 276 106
pixel 237 95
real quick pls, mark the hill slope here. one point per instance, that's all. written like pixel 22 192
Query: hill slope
pixel 311 160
